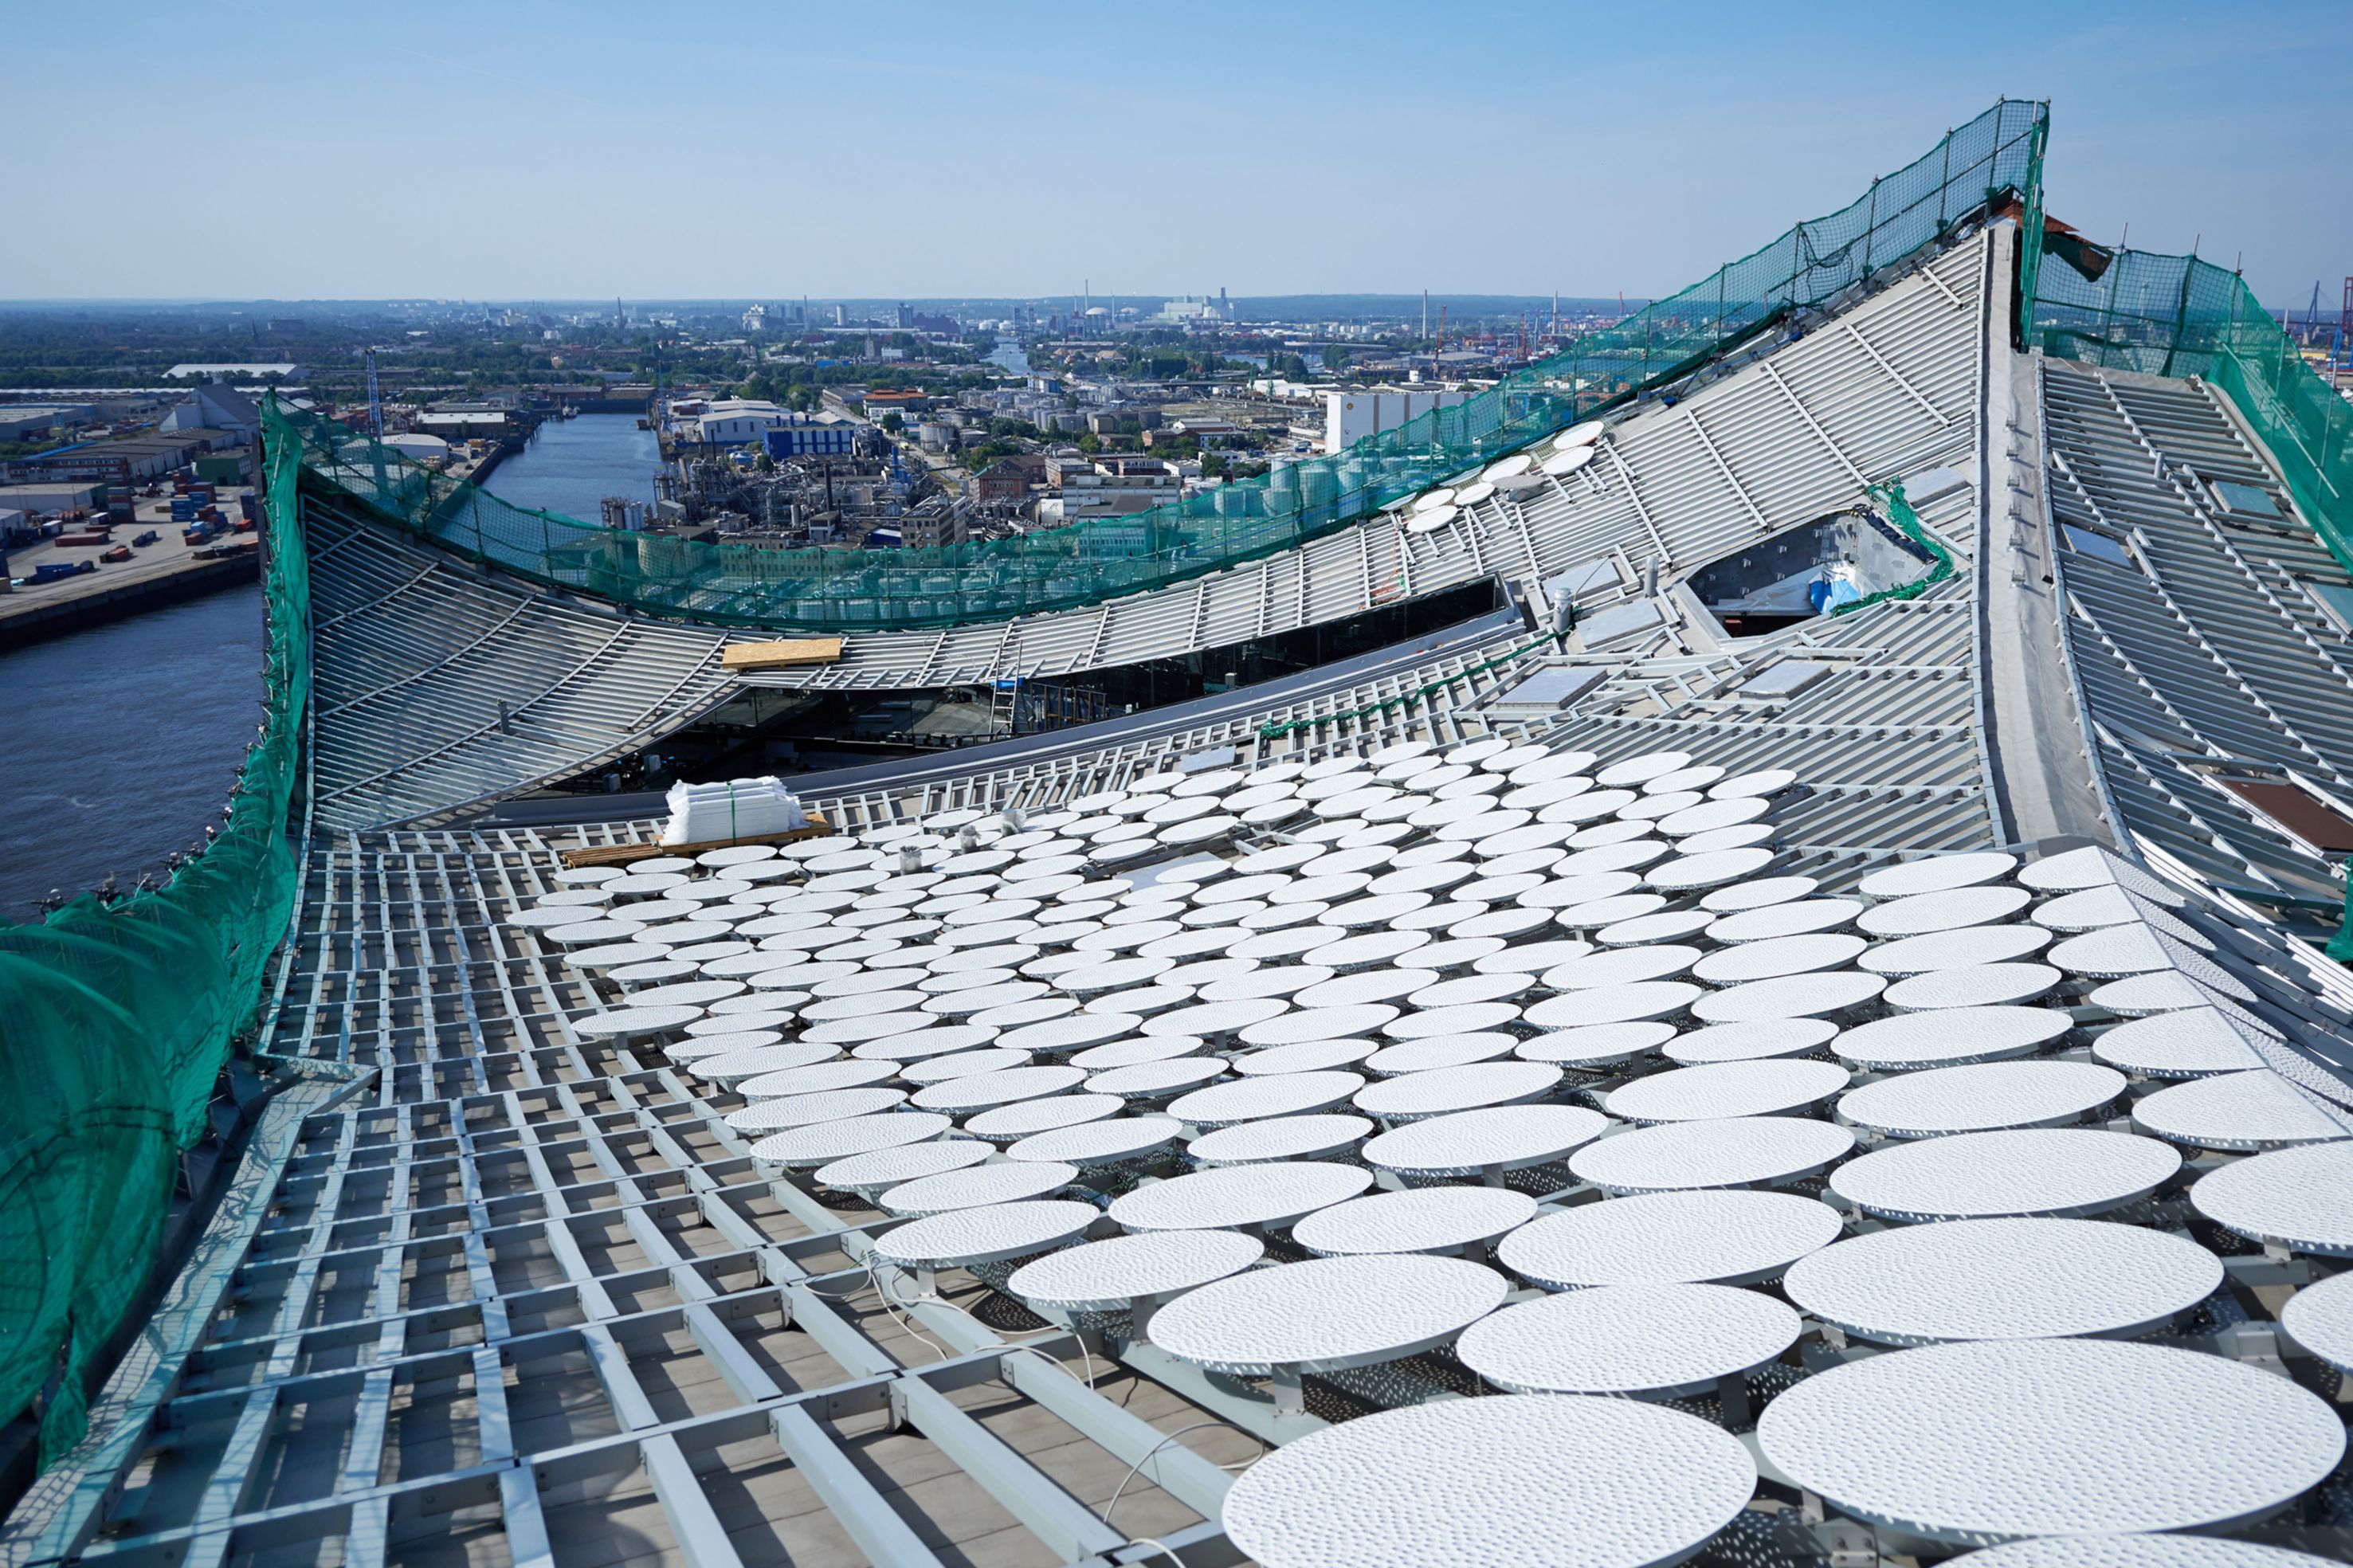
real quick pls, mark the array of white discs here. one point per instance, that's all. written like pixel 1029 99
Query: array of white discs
pixel 1404 1015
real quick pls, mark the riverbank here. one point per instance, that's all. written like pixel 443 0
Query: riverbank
pixel 570 466
pixel 115 593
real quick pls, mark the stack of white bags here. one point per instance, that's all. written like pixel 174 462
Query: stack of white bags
pixel 737 808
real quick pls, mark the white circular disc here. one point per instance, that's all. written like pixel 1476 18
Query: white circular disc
pixel 2056 1171
pixel 1561 1482
pixel 1976 1443
pixel 1938 873
pixel 2300 1198
pixel 1737 1152
pixel 1951 1037
pixel 1495 1138
pixel 2246 1111
pixel 1274 1194
pixel 989 1234
pixel 1328 1314
pixel 1981 1098
pixel 1280 1138
pixel 2196 1042
pixel 1774 1086
pixel 1418 1220
pixel 1725 1236
pixel 1110 1274
pixel 1646 1340
pixel 2003 1279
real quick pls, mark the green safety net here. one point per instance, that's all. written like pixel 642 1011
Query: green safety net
pixel 2179 316
pixel 1991 161
pixel 115 1021
pixel 1900 513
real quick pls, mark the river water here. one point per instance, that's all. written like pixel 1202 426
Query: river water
pixel 572 464
pixel 123 741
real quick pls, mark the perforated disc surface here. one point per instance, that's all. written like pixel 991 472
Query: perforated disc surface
pixel 1765 1038
pixel 1792 996
pixel 806 1109
pixel 2059 1171
pixel 1956 948
pixel 2300 1198
pixel 889 1167
pixel 2257 1109
pixel 1274 1193
pixel 1596 1045
pixel 1981 1098
pixel 1938 873
pixel 1775 957
pixel 1328 1314
pixel 1024 1117
pixel 1628 1339
pixel 1419 1219
pixel 1280 1138
pixel 1721 1235
pixel 1098 1142
pixel 2320 1319
pixel 1950 1038
pixel 1414 1096
pixel 1924 912
pixel 2092 867
pixel 2197 1042
pixel 2003 1280
pixel 1504 1137
pixel 1972 985
pixel 976 1185
pixel 1981 1442
pixel 984 1234
pixel 830 1141
pixel 2138 1551
pixel 1737 1152
pixel 1270 1094
pixel 1103 1276
pixel 1560 1483
pixel 1726 1088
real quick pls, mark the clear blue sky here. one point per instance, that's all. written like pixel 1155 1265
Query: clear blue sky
pixel 504 150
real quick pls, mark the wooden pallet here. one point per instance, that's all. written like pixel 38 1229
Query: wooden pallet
pixel 626 854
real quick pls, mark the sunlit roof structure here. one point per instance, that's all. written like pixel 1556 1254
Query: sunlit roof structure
pixel 1802 1035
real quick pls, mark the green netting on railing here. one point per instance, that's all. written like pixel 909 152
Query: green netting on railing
pixel 115 1021
pixel 2179 316
pixel 1995 158
pixel 1900 513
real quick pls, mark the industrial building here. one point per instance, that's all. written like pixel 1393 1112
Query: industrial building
pixel 1795 1026
pixel 1357 413
pixel 810 436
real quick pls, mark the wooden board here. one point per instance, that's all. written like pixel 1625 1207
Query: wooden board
pixel 625 854
pixel 782 654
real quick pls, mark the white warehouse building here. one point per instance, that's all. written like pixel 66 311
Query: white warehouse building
pixel 1350 416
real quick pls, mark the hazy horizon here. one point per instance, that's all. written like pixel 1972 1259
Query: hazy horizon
pixel 536 152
